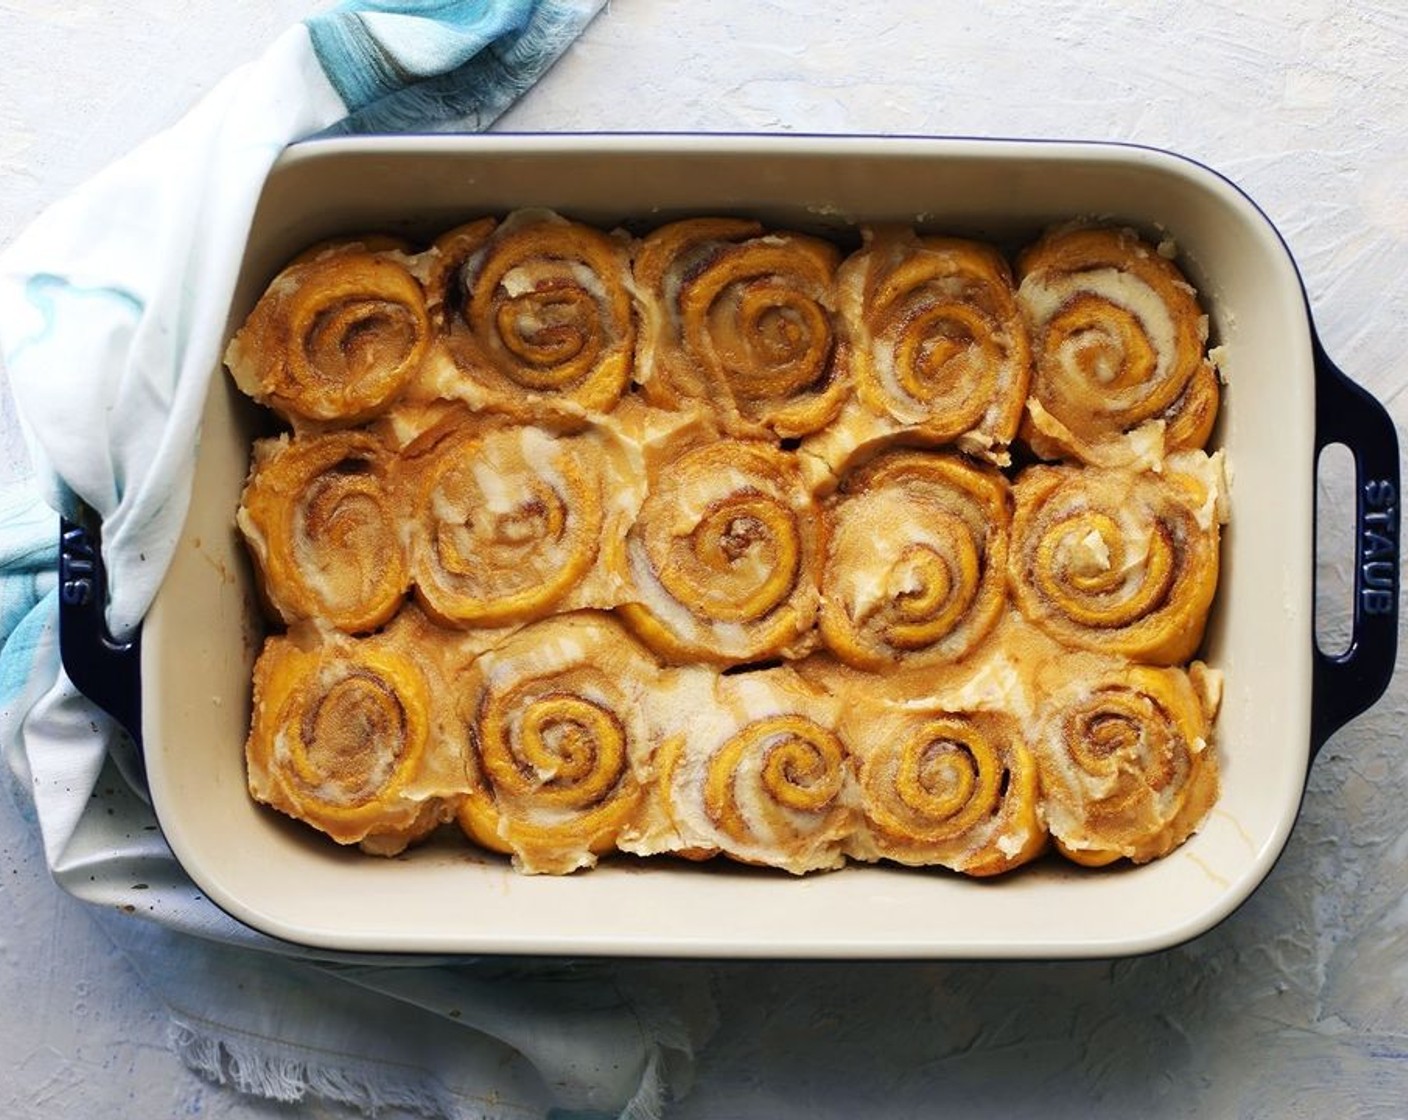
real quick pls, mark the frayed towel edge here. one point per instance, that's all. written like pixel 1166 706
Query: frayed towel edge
pixel 245 1068
pixel 653 1095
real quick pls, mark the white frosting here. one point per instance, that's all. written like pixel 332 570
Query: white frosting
pixel 524 278
pixel 1089 554
pixel 253 536
pixel 691 501
pixel 1044 295
pixel 728 637
pixel 495 486
pixel 543 453
pixel 1210 471
pixel 710 711
pixel 866 586
pixel 995 686
pixel 518 281
pixel 1139 449
pixel 1136 534
pixel 1218 357
pixel 1145 446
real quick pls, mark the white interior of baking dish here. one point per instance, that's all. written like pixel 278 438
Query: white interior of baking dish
pixel 201 637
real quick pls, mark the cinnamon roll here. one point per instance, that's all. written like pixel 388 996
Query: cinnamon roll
pixel 321 521
pixel 915 556
pixel 751 767
pixel 558 733
pixel 535 313
pixel 939 349
pixel 1120 369
pixel 740 318
pixel 1128 768
pixel 442 270
pixel 1118 561
pixel 957 789
pixel 336 337
pixel 507 521
pixel 723 555
pixel 342 738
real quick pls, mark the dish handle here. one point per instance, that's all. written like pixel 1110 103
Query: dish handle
pixel 105 670
pixel 1347 683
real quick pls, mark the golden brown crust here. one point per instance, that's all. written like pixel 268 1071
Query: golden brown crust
pixel 336 337
pixel 1119 344
pixel 739 319
pixel 1117 561
pixel 723 556
pixel 535 314
pixel 444 270
pixel 341 738
pixel 914 560
pixel 1128 769
pixel 506 519
pixel 751 767
pixel 558 738
pixel 319 515
pixel 957 789
pixel 938 347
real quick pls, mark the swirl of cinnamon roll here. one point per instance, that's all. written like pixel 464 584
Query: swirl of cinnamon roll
pixel 336 337
pixel 320 519
pixel 939 346
pixel 1116 561
pixel 1119 343
pixel 1127 766
pixel 507 520
pixel 915 557
pixel 954 789
pixel 443 270
pixel 538 314
pixel 743 318
pixel 722 555
pixel 341 739
pixel 557 731
pixel 756 771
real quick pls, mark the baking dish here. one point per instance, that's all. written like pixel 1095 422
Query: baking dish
pixel 183 689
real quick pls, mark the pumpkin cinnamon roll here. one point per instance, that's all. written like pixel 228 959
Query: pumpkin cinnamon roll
pixel 507 521
pixel 915 557
pixel 1121 372
pixel 321 521
pixel 723 555
pixel 939 348
pixel 442 271
pixel 558 735
pixel 740 318
pixel 956 789
pixel 751 767
pixel 342 738
pixel 535 314
pixel 1118 561
pixel 336 337
pixel 1128 768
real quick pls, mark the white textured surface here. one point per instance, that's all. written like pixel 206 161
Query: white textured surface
pixel 1298 1005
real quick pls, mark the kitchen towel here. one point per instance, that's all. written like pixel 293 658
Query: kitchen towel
pixel 111 307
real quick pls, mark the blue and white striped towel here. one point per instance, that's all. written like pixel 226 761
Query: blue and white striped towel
pixel 111 307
